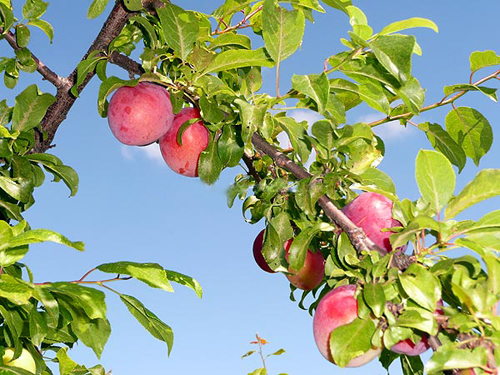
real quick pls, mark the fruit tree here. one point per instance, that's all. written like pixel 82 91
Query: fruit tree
pixel 383 277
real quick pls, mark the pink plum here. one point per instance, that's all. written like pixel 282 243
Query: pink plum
pixel 184 159
pixel 141 114
pixel 372 212
pixel 311 274
pixel 337 308
pixel 408 347
pixel 257 252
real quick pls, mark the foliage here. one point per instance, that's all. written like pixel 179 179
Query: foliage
pixel 208 61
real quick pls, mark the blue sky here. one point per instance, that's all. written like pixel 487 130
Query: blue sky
pixel 130 206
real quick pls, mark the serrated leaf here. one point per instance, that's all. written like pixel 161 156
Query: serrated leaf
pixel 442 142
pixel 185 280
pixel 96 8
pixel 408 24
pixel 230 146
pixel 435 178
pixel 210 165
pixel 374 97
pixel 485 185
pixel 91 300
pixel 180 28
pixel 483 59
pixel 421 286
pixel 412 365
pixel 448 357
pixel 414 226
pixel 297 134
pixel 351 340
pixel 33 9
pixel 338 4
pixel 30 108
pixel 44 26
pixel 151 274
pixel 412 95
pixel 107 87
pixel 133 5
pixel 374 297
pixel 316 86
pixel 149 320
pixel 298 249
pixel 16 292
pixel 394 53
pixel 471 130
pixel 230 39
pixel 282 30
pixel 40 235
pixel 233 59
pixel 252 117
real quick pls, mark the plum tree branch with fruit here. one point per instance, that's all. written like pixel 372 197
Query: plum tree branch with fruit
pixel 334 225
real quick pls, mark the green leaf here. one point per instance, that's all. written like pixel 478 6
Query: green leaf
pixel 374 297
pixel 448 357
pixel 418 318
pixel 151 274
pixel 44 26
pixel 96 8
pixel 412 95
pixel 55 166
pixel 338 4
pixel 180 28
pixel 185 280
pixel 107 87
pixel 149 320
pixel 316 86
pixel 408 24
pixel 483 59
pixel 282 30
pixel 252 118
pixel 375 180
pixel 421 286
pixel 91 300
pixel 359 22
pixel 210 165
pixel 133 5
pixel 40 235
pixel 374 97
pixel 442 141
pixel 412 365
pixel 414 226
pixel 464 87
pixel 22 35
pixel 15 291
pixel 298 249
pixel 93 333
pixel 34 9
pixel 297 134
pixel 471 130
pixel 84 68
pixel 7 17
pixel 351 340
pixel 20 190
pixel 231 147
pixel 30 108
pixel 394 53
pixel 435 178
pixel 230 39
pixel 485 185
pixel 238 59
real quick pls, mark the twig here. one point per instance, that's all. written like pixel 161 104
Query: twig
pixel 356 235
pixel 441 103
pixel 251 169
pixel 47 73
pixel 239 25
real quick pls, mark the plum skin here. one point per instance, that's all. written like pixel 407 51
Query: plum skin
pixel 312 272
pixel 372 212
pixel 337 308
pixel 408 347
pixel 257 252
pixel 140 115
pixel 184 159
pixel 24 361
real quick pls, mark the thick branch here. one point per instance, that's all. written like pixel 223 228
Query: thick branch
pixel 356 235
pixel 43 69
pixel 58 111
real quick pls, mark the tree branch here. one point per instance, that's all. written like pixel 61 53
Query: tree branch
pixel 43 69
pixel 58 111
pixel 356 235
pixel 125 62
pixel 441 103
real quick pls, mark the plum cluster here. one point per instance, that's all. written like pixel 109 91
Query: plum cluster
pixel 143 114
pixel 371 212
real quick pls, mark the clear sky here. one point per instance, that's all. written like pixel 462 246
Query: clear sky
pixel 130 206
